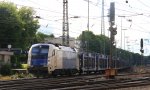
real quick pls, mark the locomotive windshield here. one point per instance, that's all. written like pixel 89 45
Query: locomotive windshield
pixel 39 55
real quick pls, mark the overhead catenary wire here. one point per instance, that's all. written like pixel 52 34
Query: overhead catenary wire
pixel 75 15
pixel 132 7
pixel 133 12
pixel 143 3
pixel 71 14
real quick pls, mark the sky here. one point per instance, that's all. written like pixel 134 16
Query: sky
pixel 132 18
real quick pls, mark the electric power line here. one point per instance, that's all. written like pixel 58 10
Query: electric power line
pixel 144 4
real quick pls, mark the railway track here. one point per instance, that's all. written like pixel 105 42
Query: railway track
pixel 41 82
pixel 79 82
pixel 111 84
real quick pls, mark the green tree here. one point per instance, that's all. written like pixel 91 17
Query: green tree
pixel 40 37
pixel 17 26
pixel 104 46
pixel 30 26
pixel 87 38
pixel 94 43
pixel 101 44
pixel 10 25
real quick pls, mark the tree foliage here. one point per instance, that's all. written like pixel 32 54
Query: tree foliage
pixel 5 69
pixel 29 25
pixel 101 44
pixel 17 26
pixel 40 37
pixel 10 25
pixel 94 43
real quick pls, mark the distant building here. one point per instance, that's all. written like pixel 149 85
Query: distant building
pixel 6 53
pixel 5 57
pixel 72 42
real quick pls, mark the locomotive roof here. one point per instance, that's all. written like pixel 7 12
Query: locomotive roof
pixel 65 48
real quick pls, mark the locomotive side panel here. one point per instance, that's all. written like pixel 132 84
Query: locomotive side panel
pixel 59 59
pixel 69 60
pixel 52 59
pixel 65 60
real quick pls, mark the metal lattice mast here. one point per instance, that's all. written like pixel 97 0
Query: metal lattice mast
pixel 102 19
pixel 103 25
pixel 65 37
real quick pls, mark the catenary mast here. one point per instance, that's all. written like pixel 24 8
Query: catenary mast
pixel 65 28
pixel 102 20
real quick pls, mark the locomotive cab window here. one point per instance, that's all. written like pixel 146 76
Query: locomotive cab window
pixel 40 51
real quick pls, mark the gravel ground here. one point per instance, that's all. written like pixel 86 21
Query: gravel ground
pixel 135 88
pixel 138 70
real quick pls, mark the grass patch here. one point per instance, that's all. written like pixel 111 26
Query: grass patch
pixel 5 78
pixel 16 76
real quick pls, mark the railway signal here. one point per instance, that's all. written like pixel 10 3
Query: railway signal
pixel 110 71
pixel 126 1
pixel 141 50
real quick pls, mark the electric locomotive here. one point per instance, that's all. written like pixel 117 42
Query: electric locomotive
pixel 52 59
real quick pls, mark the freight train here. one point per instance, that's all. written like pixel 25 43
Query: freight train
pixel 56 59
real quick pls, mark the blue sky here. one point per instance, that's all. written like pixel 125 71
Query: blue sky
pixel 138 11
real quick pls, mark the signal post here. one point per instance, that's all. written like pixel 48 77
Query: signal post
pixel 111 71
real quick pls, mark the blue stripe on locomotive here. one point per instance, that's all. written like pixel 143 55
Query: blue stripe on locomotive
pixel 39 62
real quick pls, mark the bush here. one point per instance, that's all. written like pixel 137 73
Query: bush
pixel 17 60
pixel 24 66
pixel 5 69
